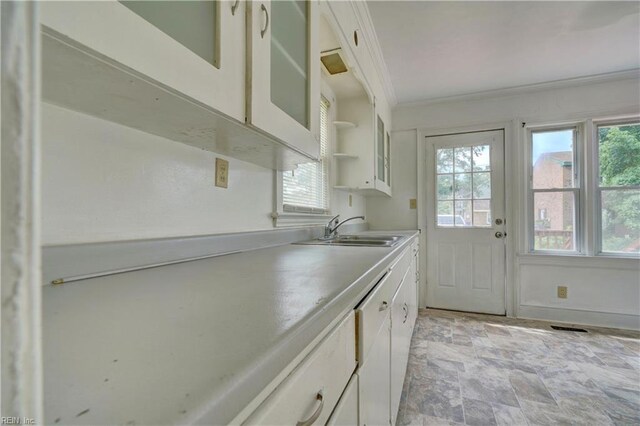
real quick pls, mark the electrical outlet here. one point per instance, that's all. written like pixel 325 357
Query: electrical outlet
pixel 350 200
pixel 562 292
pixel 222 173
pixel 413 203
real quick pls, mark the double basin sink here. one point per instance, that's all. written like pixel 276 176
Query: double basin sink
pixel 357 240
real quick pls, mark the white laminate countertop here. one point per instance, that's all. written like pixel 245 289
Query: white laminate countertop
pixel 197 340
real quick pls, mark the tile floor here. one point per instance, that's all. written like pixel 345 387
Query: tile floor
pixel 486 370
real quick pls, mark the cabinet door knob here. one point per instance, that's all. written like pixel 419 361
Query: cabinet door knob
pixel 316 414
pixel 383 306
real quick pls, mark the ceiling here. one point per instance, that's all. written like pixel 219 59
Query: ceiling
pixel 448 48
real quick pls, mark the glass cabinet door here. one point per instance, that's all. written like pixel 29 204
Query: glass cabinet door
pixel 387 159
pixel 380 153
pixel 283 61
pixel 194 24
pixel 290 58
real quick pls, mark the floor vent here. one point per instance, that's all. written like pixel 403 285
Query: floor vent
pixel 579 330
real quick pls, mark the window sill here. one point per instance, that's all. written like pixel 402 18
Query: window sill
pixel 579 260
pixel 289 219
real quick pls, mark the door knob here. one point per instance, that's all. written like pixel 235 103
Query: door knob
pixel 498 221
pixel 499 234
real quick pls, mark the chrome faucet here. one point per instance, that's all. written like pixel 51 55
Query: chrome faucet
pixel 331 232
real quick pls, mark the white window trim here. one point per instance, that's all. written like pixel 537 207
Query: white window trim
pixel 596 204
pixel 282 218
pixel 578 190
pixel 589 238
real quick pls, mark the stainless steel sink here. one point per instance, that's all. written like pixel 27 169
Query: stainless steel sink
pixel 357 240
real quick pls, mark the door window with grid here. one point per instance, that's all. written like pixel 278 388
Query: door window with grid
pixel 618 191
pixel 463 183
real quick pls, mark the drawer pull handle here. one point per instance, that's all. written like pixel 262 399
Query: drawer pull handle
pixel 316 414
pixel 383 306
pixel 234 7
pixel 405 308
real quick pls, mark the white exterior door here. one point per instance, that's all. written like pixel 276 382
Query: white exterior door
pixel 465 222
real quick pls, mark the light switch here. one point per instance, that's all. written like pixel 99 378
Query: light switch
pixel 350 200
pixel 222 173
pixel 413 203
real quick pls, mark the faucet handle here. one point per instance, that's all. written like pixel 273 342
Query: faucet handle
pixel 334 219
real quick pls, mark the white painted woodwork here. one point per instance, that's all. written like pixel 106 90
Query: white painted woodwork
pixel 373 310
pixel 382 121
pixel 357 104
pixel 21 375
pixel 102 59
pixel 117 33
pixel 346 411
pixel 415 286
pixel 353 17
pixel 467 264
pixel 347 24
pixel 327 370
pixel 261 112
pixel 374 377
pixel 401 330
pixel 404 312
pixel 384 333
pixel 360 173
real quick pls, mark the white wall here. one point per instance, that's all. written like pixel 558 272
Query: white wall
pixel 601 292
pixel 394 213
pixel 106 182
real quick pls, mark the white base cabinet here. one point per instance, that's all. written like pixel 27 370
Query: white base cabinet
pixel 310 393
pixel 374 375
pixel 383 350
pixel 346 412
pixel 345 381
pixel 401 332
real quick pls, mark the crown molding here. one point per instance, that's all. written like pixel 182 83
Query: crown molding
pixel 516 90
pixel 373 46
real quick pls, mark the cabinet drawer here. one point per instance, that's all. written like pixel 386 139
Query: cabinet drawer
pixel 324 372
pixel 373 310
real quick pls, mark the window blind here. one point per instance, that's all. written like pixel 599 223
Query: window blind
pixel 305 189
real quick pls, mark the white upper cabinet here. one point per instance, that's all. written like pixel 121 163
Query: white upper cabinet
pixel 283 83
pixel 196 48
pixel 382 148
pixel 175 69
pixel 363 162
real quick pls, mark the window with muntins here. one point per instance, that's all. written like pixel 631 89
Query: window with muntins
pixel 554 190
pixel 463 184
pixel 305 189
pixel 618 187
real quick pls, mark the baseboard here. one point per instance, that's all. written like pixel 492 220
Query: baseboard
pixel 573 316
